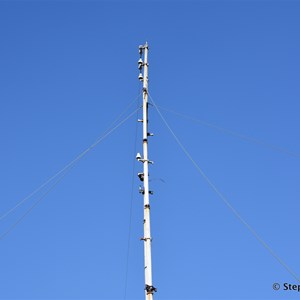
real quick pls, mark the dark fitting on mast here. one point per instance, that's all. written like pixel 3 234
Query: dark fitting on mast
pixel 140 64
pixel 141 176
pixel 150 289
pixel 141 49
pixel 141 190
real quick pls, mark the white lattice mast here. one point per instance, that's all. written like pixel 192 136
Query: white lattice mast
pixel 144 177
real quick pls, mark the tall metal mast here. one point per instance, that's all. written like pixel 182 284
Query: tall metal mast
pixel 144 177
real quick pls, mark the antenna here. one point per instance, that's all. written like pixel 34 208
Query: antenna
pixel 144 177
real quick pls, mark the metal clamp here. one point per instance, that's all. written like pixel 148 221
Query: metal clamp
pixel 145 239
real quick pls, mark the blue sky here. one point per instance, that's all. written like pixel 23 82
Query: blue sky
pixel 69 68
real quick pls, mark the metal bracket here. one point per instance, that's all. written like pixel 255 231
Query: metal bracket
pixel 142 191
pixel 143 160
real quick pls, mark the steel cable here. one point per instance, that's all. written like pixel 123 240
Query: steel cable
pixel 81 155
pixel 130 211
pixel 223 198
pixel 64 172
pixel 235 133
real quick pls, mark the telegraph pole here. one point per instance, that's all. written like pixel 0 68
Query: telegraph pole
pixel 144 177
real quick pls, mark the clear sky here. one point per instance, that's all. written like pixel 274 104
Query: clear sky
pixel 68 69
